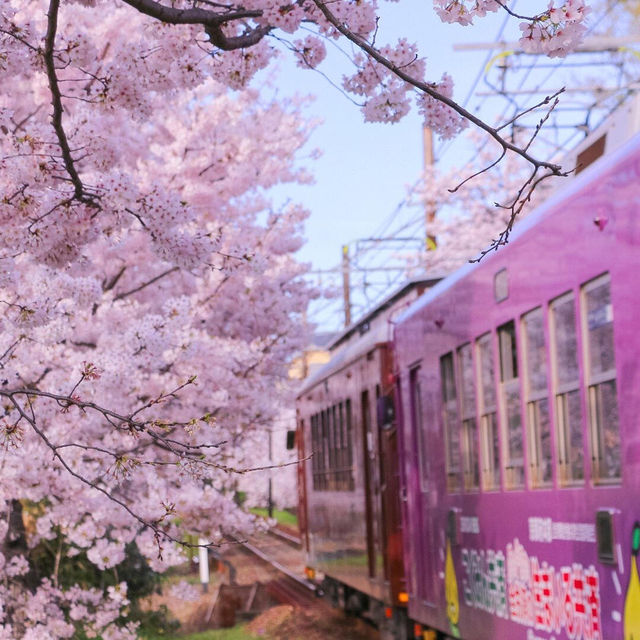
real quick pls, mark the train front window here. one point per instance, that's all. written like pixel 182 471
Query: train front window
pixel 510 387
pixel 601 381
pixel 490 444
pixel 470 462
pixel 567 391
pixel 450 421
pixel 537 401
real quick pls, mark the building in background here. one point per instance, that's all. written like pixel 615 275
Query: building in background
pixel 276 488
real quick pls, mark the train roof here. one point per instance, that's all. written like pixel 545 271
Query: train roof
pixel 591 173
pixel 369 333
pixel 365 320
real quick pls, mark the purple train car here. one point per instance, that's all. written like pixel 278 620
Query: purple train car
pixel 519 381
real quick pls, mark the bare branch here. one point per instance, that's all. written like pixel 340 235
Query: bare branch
pixel 477 173
pixel 107 285
pixel 124 294
pixel 546 100
pixel 541 123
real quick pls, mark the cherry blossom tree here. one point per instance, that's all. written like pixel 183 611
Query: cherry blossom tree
pixel 150 300
pixel 148 292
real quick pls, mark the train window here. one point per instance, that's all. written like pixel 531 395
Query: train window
pixel 415 398
pixel 331 441
pixel 316 460
pixel 345 472
pixel 470 463
pixel 450 421
pixel 536 397
pixel 490 446
pixel 601 381
pixel 326 448
pixel 510 389
pixel 348 446
pixel 567 391
pixel 349 437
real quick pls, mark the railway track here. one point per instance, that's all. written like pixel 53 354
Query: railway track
pixel 287 585
pixel 269 571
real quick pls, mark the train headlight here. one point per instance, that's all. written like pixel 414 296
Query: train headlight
pixel 310 573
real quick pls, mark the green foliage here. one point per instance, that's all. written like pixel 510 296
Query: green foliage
pixel 50 556
pixel 282 517
pixel 240 497
pixel 237 633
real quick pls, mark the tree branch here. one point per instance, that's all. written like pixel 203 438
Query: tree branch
pixel 212 22
pixel 124 294
pixel 554 169
pixel 56 101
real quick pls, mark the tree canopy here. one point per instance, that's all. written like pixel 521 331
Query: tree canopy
pixel 149 295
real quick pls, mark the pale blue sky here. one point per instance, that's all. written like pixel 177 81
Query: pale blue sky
pixel 365 168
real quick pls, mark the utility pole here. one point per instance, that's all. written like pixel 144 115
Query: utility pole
pixel 430 205
pixel 346 286
pixel 270 489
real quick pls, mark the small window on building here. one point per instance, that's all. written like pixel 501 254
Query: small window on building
pixel 567 392
pixel 489 440
pixel 470 461
pixel 501 285
pixel 537 398
pixel 589 155
pixel 450 421
pixel 601 381
pixel 510 389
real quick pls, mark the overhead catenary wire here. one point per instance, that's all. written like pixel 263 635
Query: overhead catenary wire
pixel 407 219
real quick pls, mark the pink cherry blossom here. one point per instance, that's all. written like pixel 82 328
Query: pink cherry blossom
pixel 150 298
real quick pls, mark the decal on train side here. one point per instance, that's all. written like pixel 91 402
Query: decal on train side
pixel 451 592
pixel 632 598
pixel 519 587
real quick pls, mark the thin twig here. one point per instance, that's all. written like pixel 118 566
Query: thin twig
pixel 124 294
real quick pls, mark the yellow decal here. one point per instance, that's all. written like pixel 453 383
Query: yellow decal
pixel 632 599
pixel 451 589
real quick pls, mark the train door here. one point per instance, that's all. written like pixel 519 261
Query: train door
pixel 302 487
pixel 390 495
pixel 371 489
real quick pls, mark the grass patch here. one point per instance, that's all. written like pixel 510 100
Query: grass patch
pixel 282 517
pixel 236 633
